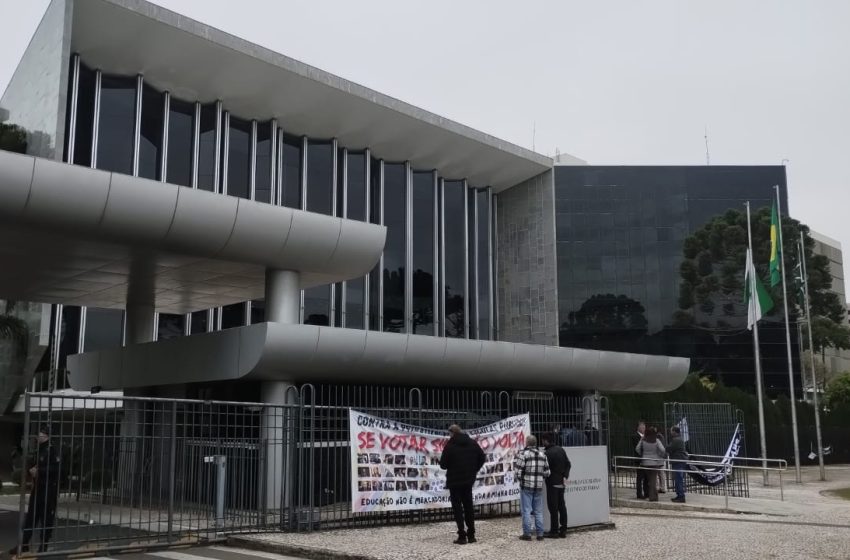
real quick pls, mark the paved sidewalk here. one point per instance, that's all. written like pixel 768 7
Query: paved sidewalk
pixel 806 525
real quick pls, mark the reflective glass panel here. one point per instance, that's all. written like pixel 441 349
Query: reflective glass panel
pixel 258 311
pixel 320 177
pixel 472 263
pixel 239 158
pixel 233 316
pixel 375 218
pixel 150 136
pixel 103 329
pixel 170 326
pixel 290 170
pixel 85 116
pixel 355 292
pixel 356 187
pixel 317 306
pixel 455 257
pixel 395 219
pixel 207 148
pixel 263 169
pixel 200 321
pixel 483 238
pixel 181 140
pixel 117 124
pixel 424 207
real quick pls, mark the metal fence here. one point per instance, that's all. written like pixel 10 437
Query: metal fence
pixel 122 472
pixel 710 430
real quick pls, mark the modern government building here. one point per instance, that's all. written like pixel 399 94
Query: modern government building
pixel 197 214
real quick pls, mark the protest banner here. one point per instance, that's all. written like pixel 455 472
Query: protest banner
pixel 396 466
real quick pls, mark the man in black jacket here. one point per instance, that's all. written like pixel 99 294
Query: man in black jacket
pixel 678 460
pixel 462 458
pixel 41 510
pixel 559 465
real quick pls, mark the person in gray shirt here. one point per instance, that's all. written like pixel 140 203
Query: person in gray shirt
pixel 678 457
pixel 652 454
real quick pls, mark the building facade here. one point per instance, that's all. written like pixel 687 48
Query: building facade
pixel 201 213
pixel 834 361
pixel 620 234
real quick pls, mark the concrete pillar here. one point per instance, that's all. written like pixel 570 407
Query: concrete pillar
pixel 283 296
pixel 277 424
pixel 141 323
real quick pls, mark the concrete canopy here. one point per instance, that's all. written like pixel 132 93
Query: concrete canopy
pixel 308 353
pixel 80 236
pixel 198 62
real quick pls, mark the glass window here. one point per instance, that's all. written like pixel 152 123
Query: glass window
pixel 320 177
pixel 170 326
pixel 239 158
pixel 423 251
pixel 150 134
pixel 258 311
pixel 200 321
pixel 354 303
pixel 116 125
pixel 263 170
pixel 471 263
pixel 207 148
pixel 85 116
pixel 233 316
pixel 69 341
pixel 483 241
pixel 395 218
pixel 375 172
pixel 181 141
pixel 290 171
pixel 455 255
pixel 356 186
pixel 317 306
pixel 103 329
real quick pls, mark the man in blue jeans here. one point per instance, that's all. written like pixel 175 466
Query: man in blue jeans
pixel 532 469
pixel 678 456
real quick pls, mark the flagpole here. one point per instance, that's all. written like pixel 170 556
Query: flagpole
pixel 757 352
pixel 811 355
pixel 788 341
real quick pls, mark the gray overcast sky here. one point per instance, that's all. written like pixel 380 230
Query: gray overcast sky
pixel 614 82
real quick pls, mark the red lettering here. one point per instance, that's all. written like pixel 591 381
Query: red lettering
pixel 366 440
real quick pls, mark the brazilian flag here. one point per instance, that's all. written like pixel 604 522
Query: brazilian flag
pixel 775 248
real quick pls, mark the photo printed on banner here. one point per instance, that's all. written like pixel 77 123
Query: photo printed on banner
pixel 396 466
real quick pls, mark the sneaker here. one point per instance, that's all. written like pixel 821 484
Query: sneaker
pixel 525 537
pixel 678 500
pixel 461 540
pixel 540 537
pixel 471 539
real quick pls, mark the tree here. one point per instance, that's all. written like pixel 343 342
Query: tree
pixel 16 331
pixel 712 274
pixel 13 138
pixel 838 391
pixel 605 321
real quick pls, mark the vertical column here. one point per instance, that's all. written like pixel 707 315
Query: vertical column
pixel 466 291
pixel 408 248
pixel 166 116
pixel 343 296
pixel 279 397
pixel 282 294
pixel 491 295
pixel 367 281
pixel 435 278
pixel 196 143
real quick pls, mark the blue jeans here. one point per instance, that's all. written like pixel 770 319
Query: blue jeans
pixel 531 503
pixel 679 478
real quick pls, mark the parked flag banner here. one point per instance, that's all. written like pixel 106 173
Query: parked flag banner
pixel 396 466
pixel 714 476
pixel 775 248
pixel 760 304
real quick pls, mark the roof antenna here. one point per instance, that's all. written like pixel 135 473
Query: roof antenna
pixel 707 156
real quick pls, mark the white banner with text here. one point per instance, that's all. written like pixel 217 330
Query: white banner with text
pixel 396 466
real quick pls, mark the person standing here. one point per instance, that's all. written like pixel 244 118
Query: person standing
pixel 559 467
pixel 678 457
pixel 652 455
pixel 462 458
pixel 662 475
pixel 41 509
pixel 640 478
pixel 532 469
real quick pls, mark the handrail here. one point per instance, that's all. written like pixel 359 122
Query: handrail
pixel 632 459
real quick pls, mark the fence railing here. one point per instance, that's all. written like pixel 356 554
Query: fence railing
pixel 727 470
pixel 122 472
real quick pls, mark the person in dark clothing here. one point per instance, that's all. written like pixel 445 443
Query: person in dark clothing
pixel 642 482
pixel 591 434
pixel 678 457
pixel 462 458
pixel 41 510
pixel 559 466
